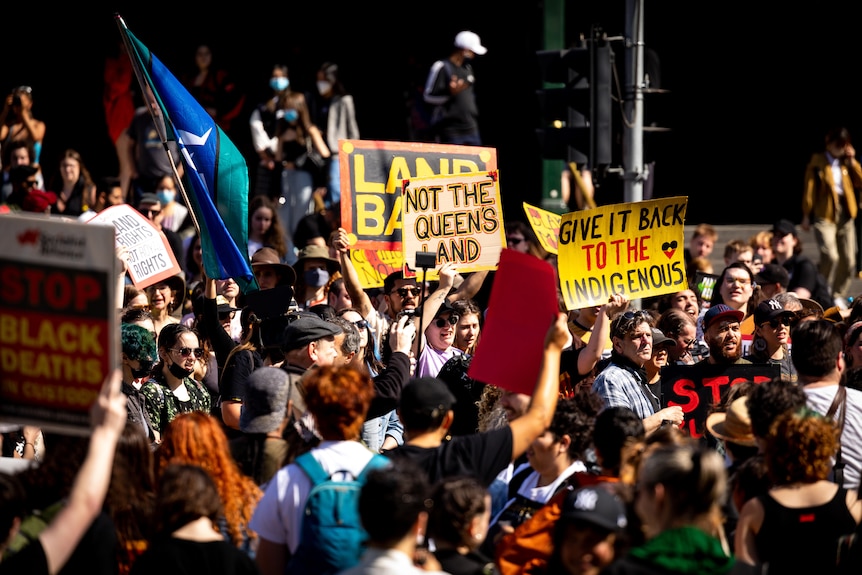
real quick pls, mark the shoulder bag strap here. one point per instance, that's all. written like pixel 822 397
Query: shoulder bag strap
pixel 839 401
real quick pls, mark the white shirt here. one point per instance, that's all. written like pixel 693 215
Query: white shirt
pixel 819 399
pixel 278 515
pixel 387 562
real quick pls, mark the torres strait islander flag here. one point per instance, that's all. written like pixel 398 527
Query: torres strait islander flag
pixel 215 176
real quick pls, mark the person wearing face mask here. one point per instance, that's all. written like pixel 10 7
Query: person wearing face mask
pixel 332 109
pixel 262 124
pixel 171 388
pixel 175 216
pixel 298 140
pixel 139 354
pixel 314 268
pixel 449 89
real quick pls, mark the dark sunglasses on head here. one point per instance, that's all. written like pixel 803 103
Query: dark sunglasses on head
pixel 779 321
pixel 407 290
pixel 442 321
pixel 187 351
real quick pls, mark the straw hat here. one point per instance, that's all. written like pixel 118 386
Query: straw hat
pixel 733 425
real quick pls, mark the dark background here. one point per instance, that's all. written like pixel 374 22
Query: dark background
pixel 752 88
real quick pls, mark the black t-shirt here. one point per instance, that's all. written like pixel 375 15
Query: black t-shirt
pixel 804 273
pixel 482 455
pixel 172 555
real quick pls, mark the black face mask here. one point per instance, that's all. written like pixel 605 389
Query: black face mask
pixel 178 371
pixel 144 370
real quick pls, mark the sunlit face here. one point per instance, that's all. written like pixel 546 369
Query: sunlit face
pixel 357 320
pixel 685 300
pixel 228 288
pixel 514 404
pixel 745 256
pixel 467 331
pixel 659 357
pixel 161 296
pixel 261 221
pixel 266 276
pixel 776 332
pixel 441 334
pixel 736 288
pixel 70 170
pixel 339 298
pixel 186 340
pixel 782 246
pixel 701 246
pixel 685 341
pixel 324 351
pixel 636 345
pixel 586 549
pixel 20 157
pixel 139 301
pixel 544 451
pixel 115 196
pixel 398 301
pixel 724 339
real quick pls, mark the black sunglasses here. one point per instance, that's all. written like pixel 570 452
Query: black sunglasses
pixel 779 321
pixel 451 320
pixel 187 351
pixel 407 290
pixel 515 241
pixel 361 323
pixel 29 183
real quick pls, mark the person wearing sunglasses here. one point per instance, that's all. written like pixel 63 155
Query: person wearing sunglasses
pixel 623 382
pixel 439 342
pixel 771 337
pixel 171 388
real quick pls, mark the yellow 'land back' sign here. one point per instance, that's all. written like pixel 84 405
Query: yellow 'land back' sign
pixel 371 176
pixel 635 249
pixel 459 217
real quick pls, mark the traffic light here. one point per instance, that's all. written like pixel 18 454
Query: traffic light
pixel 575 103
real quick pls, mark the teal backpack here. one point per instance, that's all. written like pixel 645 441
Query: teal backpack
pixel 331 537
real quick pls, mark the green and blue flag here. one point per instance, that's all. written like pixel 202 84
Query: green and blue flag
pixel 215 176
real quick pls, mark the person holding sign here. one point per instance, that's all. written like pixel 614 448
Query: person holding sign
pixel 623 382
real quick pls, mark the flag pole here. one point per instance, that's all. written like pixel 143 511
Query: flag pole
pixel 158 120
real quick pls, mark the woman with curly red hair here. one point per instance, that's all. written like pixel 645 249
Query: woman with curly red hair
pixel 197 438
pixel 338 399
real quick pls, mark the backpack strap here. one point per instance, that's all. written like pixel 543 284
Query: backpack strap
pixel 377 460
pixel 312 468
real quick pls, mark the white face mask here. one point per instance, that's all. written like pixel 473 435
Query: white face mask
pixel 324 87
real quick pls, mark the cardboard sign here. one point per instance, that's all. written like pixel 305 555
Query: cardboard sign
pixel 635 249
pixel 373 266
pixel 59 334
pixel 697 388
pixel 371 176
pixel 546 226
pixel 704 285
pixel 510 351
pixel 457 217
pixel 151 259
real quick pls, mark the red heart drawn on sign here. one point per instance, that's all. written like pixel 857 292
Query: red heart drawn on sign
pixel 669 248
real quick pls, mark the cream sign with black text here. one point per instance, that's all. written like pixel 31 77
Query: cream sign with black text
pixel 458 217
pixel 635 249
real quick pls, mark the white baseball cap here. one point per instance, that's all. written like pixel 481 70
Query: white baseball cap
pixel 470 41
